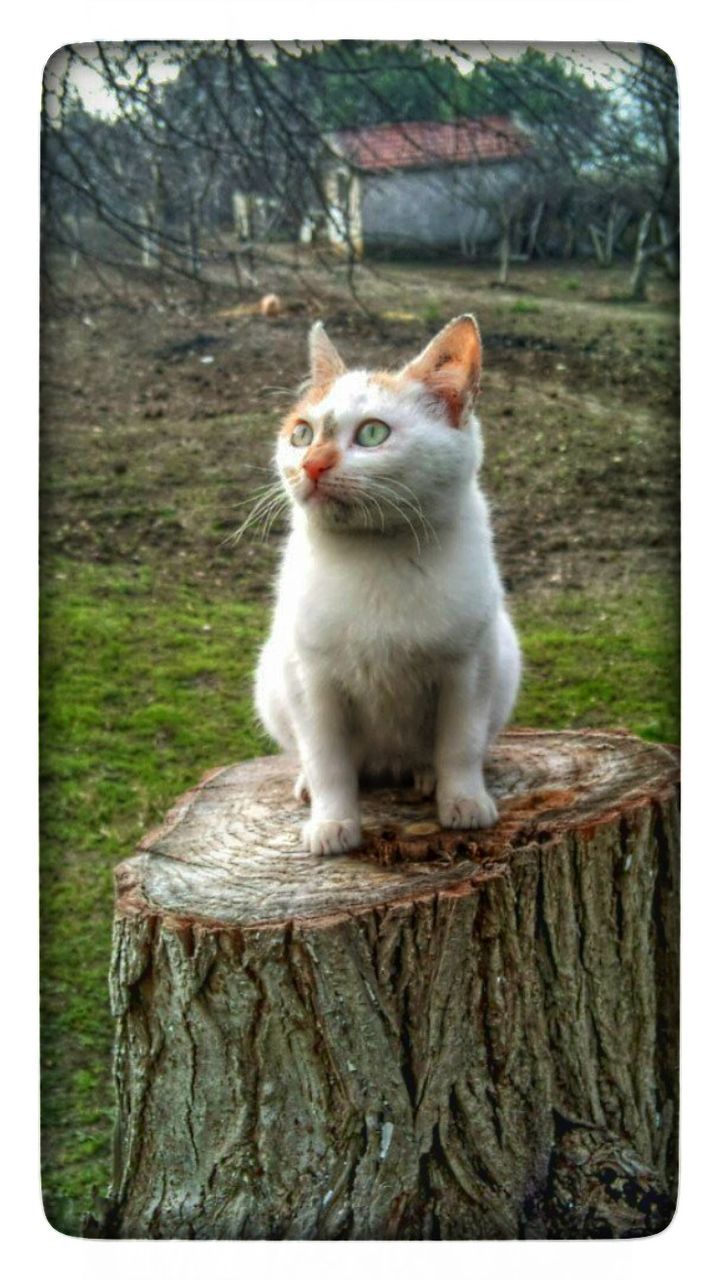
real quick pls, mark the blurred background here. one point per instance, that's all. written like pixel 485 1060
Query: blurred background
pixel 202 205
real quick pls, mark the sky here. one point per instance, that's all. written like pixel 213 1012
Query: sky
pixel 599 63
pixel 87 77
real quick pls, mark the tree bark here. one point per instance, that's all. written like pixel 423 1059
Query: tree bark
pixel 443 1035
pixel 669 241
pixel 504 248
pixel 534 228
pixel 570 234
pixel 641 262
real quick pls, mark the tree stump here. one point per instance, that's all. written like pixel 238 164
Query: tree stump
pixel 441 1035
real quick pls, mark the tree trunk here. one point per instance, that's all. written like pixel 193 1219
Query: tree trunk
pixel 641 263
pixel 194 237
pixel 443 1035
pixel 669 241
pixel 149 256
pixel 504 249
pixel 604 244
pixel 597 242
pixel 610 234
pixel 569 245
pixel 534 228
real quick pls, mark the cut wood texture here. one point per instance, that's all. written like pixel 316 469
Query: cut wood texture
pixel 442 1035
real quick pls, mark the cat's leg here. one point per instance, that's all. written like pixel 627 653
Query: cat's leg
pixel 328 765
pixel 465 705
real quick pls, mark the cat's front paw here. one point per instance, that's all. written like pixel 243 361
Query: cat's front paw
pixel 466 813
pixel 331 836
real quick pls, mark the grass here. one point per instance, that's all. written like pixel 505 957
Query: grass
pixel 603 658
pixel 432 313
pixel 142 693
pixel 524 308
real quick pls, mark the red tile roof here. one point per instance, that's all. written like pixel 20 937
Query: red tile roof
pixel 421 144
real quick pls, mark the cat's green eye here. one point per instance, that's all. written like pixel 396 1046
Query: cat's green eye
pixel 302 435
pixel 372 433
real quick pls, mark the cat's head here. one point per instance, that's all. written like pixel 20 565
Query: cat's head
pixel 385 451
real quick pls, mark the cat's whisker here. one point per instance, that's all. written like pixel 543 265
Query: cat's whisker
pixel 396 507
pixel 381 513
pixel 429 531
pixel 394 484
pixel 381 492
pixel 271 516
pixel 285 391
pixel 357 492
pixel 363 508
pixel 408 521
pixel 254 515
pixel 267 491
pixel 268 505
pixel 258 493
pixel 413 502
pixel 399 503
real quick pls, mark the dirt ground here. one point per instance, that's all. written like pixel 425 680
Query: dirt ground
pixel 160 406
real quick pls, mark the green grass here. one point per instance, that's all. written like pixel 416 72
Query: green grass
pixel 524 308
pixel 142 693
pixel 603 658
pixel 432 312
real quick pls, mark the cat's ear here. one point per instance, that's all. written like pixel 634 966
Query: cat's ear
pixel 450 366
pixel 325 362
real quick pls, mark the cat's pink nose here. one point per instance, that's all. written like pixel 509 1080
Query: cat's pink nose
pixel 318 461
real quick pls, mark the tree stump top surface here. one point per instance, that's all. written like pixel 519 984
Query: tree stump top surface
pixel 228 854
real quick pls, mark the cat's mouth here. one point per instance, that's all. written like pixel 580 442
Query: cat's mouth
pixel 324 494
pixel 331 505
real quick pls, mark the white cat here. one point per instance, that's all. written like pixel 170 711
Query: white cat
pixel 391 649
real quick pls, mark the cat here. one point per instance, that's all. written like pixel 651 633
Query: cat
pixel 391 650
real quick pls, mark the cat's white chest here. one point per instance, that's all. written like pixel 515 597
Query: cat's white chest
pixel 369 629
pixel 382 630
pixel 375 613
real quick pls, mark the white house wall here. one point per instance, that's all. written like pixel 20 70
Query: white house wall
pixel 435 208
pixel 344 217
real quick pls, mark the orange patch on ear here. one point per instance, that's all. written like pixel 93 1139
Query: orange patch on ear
pixel 450 366
pixel 454 403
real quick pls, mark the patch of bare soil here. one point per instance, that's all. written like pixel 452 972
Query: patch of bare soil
pixel 159 408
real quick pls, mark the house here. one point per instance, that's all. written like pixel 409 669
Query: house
pixel 422 186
